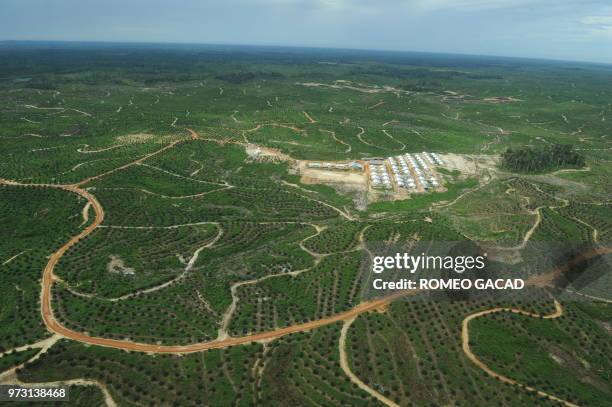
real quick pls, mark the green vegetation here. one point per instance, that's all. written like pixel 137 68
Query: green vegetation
pixel 327 289
pixel 204 239
pixel 566 357
pixel 412 352
pixel 550 157
pixel 221 377
pixel 14 359
pixel 304 369
pixel 34 223
pixel 424 201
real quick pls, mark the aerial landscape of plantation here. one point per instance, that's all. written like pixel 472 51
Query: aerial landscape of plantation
pixel 190 225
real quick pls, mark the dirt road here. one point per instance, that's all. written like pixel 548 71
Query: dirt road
pixel 194 136
pixel 544 280
pixel 130 164
pixel 309 117
pixel 465 342
pixel 344 364
pixel 538 281
pixel 56 327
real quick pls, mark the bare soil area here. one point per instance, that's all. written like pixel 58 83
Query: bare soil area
pixel 469 164
pixel 259 153
pixel 116 265
pixel 502 99
pixel 358 180
pixel 143 138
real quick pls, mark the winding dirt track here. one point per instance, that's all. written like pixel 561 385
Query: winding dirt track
pixel 544 280
pixel 465 340
pixel 48 278
pixel 345 365
pixel 130 164
pixel 56 327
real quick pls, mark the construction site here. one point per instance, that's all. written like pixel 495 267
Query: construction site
pixel 393 177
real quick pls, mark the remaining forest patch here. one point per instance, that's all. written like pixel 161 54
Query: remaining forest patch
pixel 547 158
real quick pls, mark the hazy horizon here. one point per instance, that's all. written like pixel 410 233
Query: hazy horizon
pixel 167 45
pixel 567 30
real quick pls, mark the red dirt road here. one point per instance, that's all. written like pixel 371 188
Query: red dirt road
pixel 56 327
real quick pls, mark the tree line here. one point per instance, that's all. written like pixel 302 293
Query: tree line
pixel 546 158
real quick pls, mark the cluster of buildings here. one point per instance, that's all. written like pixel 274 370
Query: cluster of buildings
pixel 408 170
pixel 401 171
pixel 379 176
pixel 433 158
pixel 422 170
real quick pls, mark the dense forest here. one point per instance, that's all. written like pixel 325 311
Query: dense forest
pixel 547 158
